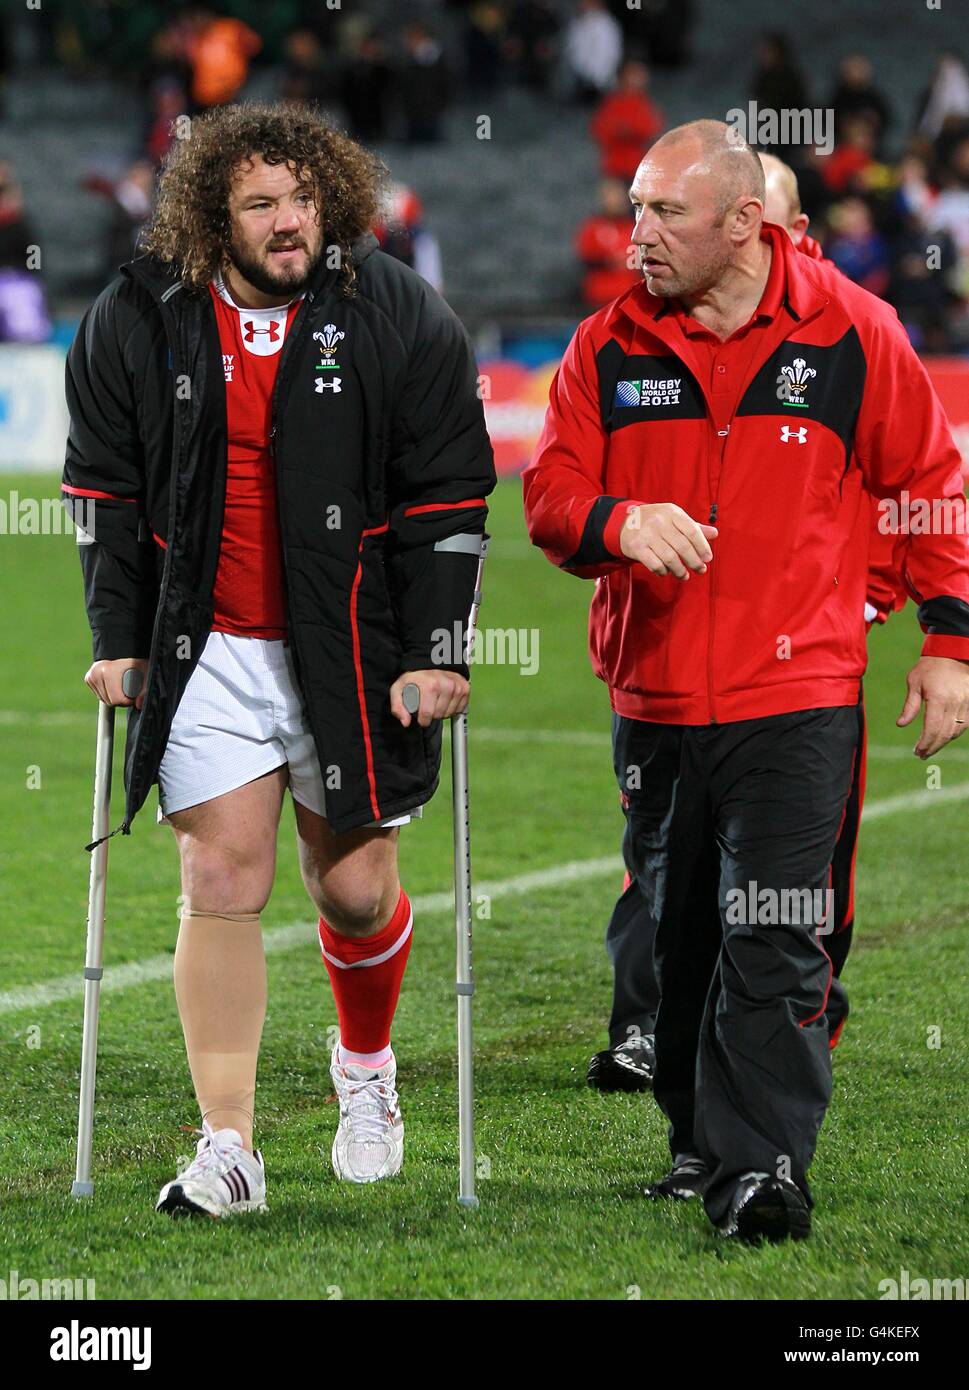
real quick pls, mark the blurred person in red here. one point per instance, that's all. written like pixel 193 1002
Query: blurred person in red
pixel 853 156
pixel 603 245
pixel 627 122
pixel 220 51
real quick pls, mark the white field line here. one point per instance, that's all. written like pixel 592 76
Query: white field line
pixel 297 934
pixel 303 933
pixel 915 801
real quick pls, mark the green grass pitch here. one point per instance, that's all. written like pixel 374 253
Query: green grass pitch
pixel 561 1168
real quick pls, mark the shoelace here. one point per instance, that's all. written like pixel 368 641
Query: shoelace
pixel 214 1155
pixel 368 1105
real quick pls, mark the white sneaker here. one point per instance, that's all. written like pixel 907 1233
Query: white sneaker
pixel 369 1143
pixel 222 1178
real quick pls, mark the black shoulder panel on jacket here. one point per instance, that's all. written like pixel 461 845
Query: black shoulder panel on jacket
pixel 804 381
pixel 642 388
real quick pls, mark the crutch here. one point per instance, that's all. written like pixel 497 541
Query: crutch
pixel 97 888
pixel 464 983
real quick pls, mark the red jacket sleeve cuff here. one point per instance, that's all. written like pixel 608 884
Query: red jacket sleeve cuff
pixel 939 644
pixel 617 520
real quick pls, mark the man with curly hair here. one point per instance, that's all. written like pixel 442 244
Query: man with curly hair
pixel 280 432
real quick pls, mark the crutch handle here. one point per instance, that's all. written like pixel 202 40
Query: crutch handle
pixel 410 697
pixel 131 682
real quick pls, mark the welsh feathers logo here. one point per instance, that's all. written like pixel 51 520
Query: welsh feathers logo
pixel 329 340
pixel 793 382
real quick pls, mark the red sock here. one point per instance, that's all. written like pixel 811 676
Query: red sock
pixel 366 973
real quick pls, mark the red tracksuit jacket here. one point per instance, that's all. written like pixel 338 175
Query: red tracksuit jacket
pixel 835 410
pixel 886 591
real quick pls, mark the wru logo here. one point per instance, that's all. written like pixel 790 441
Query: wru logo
pixel 793 382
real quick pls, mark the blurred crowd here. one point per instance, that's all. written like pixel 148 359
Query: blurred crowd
pixel 898 226
pixel 391 70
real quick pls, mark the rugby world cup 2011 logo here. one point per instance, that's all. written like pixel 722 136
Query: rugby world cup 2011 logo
pixel 793 382
pixel 649 391
pixel 328 340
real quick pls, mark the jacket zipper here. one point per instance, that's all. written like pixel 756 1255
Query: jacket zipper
pixel 288 353
pixel 714 509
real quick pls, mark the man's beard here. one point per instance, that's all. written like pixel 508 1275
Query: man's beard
pixel 286 281
pixel 677 286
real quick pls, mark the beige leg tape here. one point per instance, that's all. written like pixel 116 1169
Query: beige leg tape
pixel 220 986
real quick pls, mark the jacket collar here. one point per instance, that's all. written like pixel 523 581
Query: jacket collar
pixel 801 299
pixel 162 279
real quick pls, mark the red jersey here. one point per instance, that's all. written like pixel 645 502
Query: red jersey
pixel 249 596
pixel 624 127
pixel 603 246
pixel 886 590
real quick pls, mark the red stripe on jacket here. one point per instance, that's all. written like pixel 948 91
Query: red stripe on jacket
pixel 90 492
pixel 358 668
pixel 443 506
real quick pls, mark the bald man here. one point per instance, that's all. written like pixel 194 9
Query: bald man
pixel 628 1063
pixel 713 441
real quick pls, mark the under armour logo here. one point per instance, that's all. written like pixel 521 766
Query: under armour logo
pixel 799 435
pixel 252 330
pixel 332 385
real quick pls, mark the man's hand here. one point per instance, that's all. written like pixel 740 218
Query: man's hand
pixel 443 693
pixel 104 678
pixel 943 684
pixel 663 538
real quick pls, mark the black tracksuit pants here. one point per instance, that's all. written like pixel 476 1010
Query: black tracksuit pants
pixel 731 833
pixel 631 933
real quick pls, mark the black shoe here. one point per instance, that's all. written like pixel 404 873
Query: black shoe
pixel 687 1178
pixel 766 1208
pixel 627 1067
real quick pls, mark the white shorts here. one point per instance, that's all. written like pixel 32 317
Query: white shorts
pixel 242 716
